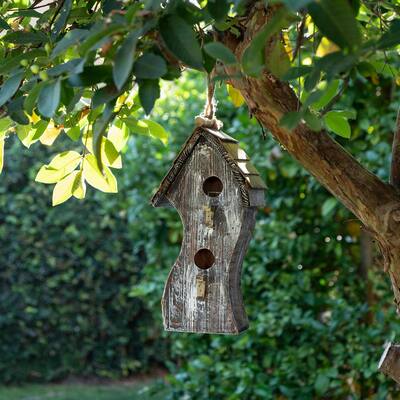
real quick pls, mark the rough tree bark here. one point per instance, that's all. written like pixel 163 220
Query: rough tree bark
pixel 375 203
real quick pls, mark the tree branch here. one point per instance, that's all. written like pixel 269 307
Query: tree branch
pixel 374 202
pixel 395 166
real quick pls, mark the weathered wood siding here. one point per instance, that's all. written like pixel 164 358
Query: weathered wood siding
pixel 220 224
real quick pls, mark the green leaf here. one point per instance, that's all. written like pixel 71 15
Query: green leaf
pixel 4 24
pixel 49 98
pixel 95 38
pixel 296 72
pixel 74 133
pixel 99 129
pixel 30 100
pixel 219 51
pixel 180 39
pixel 253 61
pixel 91 75
pixel 2 139
pixel 337 123
pixel 149 92
pixel 329 91
pixel 10 87
pixel 105 182
pixel 70 39
pixel 25 134
pixel 391 37
pixel 312 79
pixel 278 61
pixel 328 206
pixel 61 21
pixel 124 58
pixel 218 9
pixel 312 121
pixel 104 95
pixel 63 189
pixel 337 21
pixel 290 120
pixel 295 5
pixel 147 127
pixel 321 384
pixel 149 66
pixel 157 131
pixel 5 124
pixel 11 62
pixel 23 37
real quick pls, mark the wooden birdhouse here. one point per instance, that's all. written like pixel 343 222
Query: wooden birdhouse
pixel 216 191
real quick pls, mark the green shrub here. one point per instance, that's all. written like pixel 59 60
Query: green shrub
pixel 81 283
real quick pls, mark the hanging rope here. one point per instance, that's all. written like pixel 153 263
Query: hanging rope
pixel 207 117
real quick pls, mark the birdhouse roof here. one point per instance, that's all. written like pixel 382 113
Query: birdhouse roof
pixel 244 171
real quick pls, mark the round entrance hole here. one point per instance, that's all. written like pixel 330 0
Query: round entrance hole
pixel 213 186
pixel 204 259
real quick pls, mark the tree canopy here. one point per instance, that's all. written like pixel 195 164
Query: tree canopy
pixel 92 70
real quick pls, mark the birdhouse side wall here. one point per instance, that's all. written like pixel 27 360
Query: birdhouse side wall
pixel 201 299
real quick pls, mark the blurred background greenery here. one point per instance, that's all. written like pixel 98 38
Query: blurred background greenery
pixel 80 284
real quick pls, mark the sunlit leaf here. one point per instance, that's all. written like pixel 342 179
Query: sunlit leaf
pixel 63 189
pixel 50 135
pixel 25 134
pixel 326 47
pixel 105 182
pixel 147 128
pixel 337 123
pixel 235 96
pixel 79 186
pixel 61 165
pixel 118 136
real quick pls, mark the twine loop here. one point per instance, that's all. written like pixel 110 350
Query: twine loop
pixel 207 118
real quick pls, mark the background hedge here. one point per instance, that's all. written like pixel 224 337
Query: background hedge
pixel 80 284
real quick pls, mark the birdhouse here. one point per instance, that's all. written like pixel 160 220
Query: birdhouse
pixel 216 191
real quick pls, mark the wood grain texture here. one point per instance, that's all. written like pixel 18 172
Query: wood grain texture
pixel 229 150
pixel 389 363
pixel 208 300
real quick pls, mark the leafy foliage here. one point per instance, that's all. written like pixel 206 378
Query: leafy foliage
pixel 86 294
pixel 83 68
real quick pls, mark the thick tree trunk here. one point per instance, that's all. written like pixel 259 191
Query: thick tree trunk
pixel 375 203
